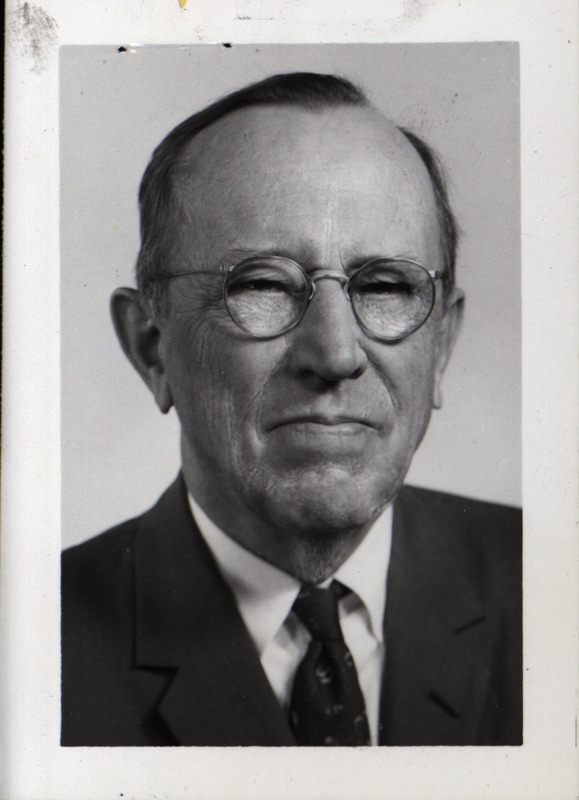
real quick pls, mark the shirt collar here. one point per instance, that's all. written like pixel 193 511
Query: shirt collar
pixel 265 594
pixel 365 571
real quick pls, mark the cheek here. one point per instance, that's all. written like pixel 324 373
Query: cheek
pixel 218 382
pixel 412 371
pixel 194 369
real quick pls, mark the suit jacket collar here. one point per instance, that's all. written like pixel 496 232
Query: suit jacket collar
pixel 437 637
pixel 187 619
pixel 436 632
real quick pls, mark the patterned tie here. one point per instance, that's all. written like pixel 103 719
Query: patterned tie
pixel 327 706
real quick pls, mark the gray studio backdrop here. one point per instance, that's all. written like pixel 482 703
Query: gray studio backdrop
pixel 118 451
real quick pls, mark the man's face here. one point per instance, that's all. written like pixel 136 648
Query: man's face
pixel 311 432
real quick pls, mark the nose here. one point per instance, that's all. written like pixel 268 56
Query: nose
pixel 327 342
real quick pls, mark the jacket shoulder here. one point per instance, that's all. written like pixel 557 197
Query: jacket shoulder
pixel 463 516
pixel 459 506
pixel 103 543
pixel 94 562
pixel 97 580
pixel 481 539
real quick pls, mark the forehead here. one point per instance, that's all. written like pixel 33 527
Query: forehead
pixel 284 169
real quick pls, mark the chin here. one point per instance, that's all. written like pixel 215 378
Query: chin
pixel 322 502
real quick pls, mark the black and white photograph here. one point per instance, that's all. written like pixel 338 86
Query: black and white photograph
pixel 299 293
pixel 282 410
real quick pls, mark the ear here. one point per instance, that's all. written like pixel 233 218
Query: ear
pixel 450 326
pixel 140 338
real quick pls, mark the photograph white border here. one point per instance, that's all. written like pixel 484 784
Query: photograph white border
pixel 33 766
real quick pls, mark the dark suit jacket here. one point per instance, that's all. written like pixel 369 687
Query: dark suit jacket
pixel 154 651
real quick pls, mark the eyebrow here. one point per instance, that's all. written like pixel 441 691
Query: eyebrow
pixel 281 252
pixel 301 256
pixel 359 261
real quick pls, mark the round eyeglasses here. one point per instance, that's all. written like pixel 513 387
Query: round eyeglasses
pixel 267 296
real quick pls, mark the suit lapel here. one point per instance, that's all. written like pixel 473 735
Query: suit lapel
pixel 438 639
pixel 187 620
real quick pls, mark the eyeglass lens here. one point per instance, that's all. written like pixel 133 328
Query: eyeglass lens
pixel 266 297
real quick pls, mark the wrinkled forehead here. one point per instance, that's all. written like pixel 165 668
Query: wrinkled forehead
pixel 277 159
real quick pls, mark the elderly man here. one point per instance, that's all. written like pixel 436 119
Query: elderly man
pixel 296 305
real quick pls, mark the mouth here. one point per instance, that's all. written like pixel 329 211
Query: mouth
pixel 319 440
pixel 338 423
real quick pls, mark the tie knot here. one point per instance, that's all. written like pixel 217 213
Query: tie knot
pixel 318 610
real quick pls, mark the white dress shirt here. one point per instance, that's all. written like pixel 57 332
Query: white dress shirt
pixel 265 596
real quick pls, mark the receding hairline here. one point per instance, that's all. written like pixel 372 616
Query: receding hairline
pixel 226 165
pixel 384 125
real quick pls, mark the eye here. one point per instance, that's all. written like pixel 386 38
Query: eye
pixel 387 286
pixel 260 285
pixel 265 279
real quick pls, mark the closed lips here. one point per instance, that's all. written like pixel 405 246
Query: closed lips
pixel 327 421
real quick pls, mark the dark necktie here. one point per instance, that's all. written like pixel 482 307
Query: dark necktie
pixel 327 706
